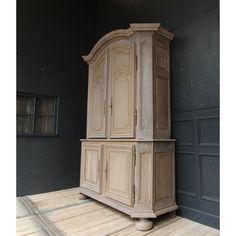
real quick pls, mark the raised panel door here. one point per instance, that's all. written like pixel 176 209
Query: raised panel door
pixel 96 123
pixel 118 169
pixel 91 166
pixel 122 90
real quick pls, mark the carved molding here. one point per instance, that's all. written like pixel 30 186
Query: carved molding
pixel 126 33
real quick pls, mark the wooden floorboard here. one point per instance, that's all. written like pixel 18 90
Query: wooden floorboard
pixel 21 209
pixel 61 213
pixel 29 225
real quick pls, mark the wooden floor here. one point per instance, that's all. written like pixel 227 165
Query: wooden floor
pixel 62 213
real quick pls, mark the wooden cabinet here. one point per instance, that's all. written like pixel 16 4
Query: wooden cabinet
pixel 128 156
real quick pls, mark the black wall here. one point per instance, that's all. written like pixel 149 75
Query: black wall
pixel 52 35
pixel 195 92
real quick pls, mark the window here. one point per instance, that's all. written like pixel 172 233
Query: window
pixel 36 115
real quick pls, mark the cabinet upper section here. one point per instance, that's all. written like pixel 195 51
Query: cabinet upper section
pixel 127 33
pixel 129 84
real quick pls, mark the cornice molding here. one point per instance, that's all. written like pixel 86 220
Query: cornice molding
pixel 126 33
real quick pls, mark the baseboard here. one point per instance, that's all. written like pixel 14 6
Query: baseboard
pixel 199 216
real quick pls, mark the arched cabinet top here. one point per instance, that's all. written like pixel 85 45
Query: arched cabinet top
pixel 126 33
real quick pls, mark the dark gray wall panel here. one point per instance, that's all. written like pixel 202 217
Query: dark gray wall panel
pixel 195 64
pixel 201 161
pixel 209 176
pixel 208 131
pixel 183 132
pixel 185 166
pixel 51 38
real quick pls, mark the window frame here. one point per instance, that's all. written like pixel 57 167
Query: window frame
pixel 56 114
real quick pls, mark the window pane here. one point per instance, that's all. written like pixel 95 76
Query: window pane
pixel 25 124
pixel 44 125
pixel 25 104
pixel 45 106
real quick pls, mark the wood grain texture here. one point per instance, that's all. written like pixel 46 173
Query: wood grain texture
pixel 161 84
pixel 118 169
pixel 130 71
pixel 122 89
pixel 93 218
pixel 91 166
pixel 96 114
pixel 144 93
pixel 164 175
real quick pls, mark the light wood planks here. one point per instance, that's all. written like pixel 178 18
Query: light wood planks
pixel 21 209
pixel 61 213
pixel 59 199
pixel 29 225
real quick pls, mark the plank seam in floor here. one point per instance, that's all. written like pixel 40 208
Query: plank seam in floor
pixel 119 230
pixel 86 213
pixel 50 228
pixel 23 203
pixel 63 207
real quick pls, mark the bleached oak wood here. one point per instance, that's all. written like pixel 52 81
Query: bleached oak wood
pixel 29 225
pixel 143 224
pixel 161 84
pixel 97 98
pixel 48 201
pixel 128 140
pixel 124 34
pixel 118 172
pixel 53 195
pixel 91 166
pixel 128 157
pixel 73 211
pixel 21 208
pixel 122 89
pixel 90 217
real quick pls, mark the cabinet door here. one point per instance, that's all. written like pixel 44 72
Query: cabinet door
pixel 96 121
pixel 118 171
pixel 122 90
pixel 91 167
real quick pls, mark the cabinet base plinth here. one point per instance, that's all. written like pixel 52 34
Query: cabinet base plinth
pixel 143 224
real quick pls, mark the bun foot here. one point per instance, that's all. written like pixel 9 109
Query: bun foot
pixel 143 224
pixel 82 196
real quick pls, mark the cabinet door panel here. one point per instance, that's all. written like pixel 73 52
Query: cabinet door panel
pixel 122 90
pixel 119 172
pixel 96 124
pixel 91 167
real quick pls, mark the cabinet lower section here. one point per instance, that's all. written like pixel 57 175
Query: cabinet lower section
pixel 135 177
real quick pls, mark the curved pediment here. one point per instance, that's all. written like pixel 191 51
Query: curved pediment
pixel 126 33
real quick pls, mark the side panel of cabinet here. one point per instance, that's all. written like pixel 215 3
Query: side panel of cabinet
pixel 119 170
pixel 164 174
pixel 91 166
pixel 96 121
pixel 122 90
pixel 161 85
